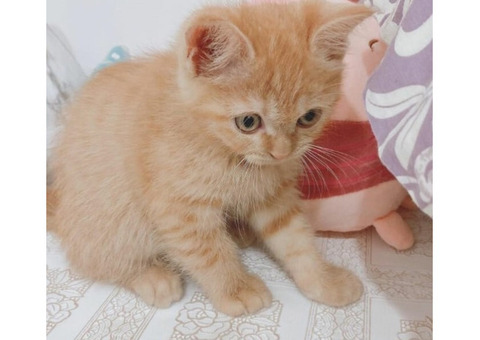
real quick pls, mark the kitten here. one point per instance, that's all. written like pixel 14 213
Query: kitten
pixel 158 153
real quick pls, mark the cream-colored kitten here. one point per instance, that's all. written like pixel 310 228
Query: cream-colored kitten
pixel 158 153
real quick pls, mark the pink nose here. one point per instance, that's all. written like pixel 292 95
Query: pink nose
pixel 279 155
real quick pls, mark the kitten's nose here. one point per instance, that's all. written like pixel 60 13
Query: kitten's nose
pixel 281 147
pixel 279 155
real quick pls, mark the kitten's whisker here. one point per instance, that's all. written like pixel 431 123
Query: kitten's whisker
pixel 335 161
pixel 323 149
pixel 319 158
pixel 336 155
pixel 312 157
pixel 311 180
pixel 316 157
pixel 305 175
pixel 315 172
pixel 314 177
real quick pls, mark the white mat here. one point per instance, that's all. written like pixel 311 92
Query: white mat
pixel 397 303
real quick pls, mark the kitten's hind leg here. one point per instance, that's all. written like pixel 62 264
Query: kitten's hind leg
pixel 290 239
pixel 158 286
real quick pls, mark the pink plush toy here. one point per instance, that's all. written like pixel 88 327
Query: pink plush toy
pixel 346 187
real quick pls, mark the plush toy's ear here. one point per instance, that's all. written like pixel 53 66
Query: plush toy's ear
pixel 217 48
pixel 330 41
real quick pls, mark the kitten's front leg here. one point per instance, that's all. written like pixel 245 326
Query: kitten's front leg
pixel 286 233
pixel 201 246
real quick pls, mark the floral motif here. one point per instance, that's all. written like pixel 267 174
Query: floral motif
pixel 416 330
pixel 353 325
pixel 324 323
pixel 400 284
pixel 64 289
pixel 411 104
pixel 249 331
pixel 261 264
pixel 122 316
pixel 59 308
pixel 334 323
pixel 350 250
pixel 412 42
pixel 346 250
pixel 199 320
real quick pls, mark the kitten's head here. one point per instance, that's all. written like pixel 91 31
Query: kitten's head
pixel 263 78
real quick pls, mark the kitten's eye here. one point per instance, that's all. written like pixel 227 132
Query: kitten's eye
pixel 309 118
pixel 248 123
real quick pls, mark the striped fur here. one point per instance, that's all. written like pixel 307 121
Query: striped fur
pixel 150 167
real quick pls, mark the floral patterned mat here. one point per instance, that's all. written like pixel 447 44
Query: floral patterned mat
pixel 397 303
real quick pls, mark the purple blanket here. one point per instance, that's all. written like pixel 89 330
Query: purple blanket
pixel 398 96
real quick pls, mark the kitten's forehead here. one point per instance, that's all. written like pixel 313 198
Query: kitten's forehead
pixel 249 103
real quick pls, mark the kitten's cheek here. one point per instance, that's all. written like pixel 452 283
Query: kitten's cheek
pixel 239 146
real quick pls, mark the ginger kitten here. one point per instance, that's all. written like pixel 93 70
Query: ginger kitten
pixel 158 153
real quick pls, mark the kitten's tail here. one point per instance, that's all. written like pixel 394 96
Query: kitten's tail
pixel 52 200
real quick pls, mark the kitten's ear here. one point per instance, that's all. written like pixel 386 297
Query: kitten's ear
pixel 217 48
pixel 329 42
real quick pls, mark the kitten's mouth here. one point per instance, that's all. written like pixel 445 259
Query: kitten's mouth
pixel 247 162
pixel 259 161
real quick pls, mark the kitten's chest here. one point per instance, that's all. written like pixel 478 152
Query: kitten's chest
pixel 248 188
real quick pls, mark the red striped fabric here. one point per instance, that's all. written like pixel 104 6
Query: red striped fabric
pixel 343 160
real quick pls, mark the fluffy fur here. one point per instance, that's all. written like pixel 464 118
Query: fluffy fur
pixel 151 165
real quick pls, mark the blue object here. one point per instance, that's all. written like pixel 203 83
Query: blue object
pixel 116 54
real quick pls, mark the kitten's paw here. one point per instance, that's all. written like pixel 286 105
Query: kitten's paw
pixel 158 287
pixel 333 286
pixel 249 297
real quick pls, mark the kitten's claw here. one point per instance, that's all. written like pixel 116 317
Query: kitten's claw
pixel 251 296
pixel 158 287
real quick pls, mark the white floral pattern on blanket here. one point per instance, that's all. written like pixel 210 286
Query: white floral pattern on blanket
pixel 397 303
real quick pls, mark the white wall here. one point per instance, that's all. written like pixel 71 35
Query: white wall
pixel 93 27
